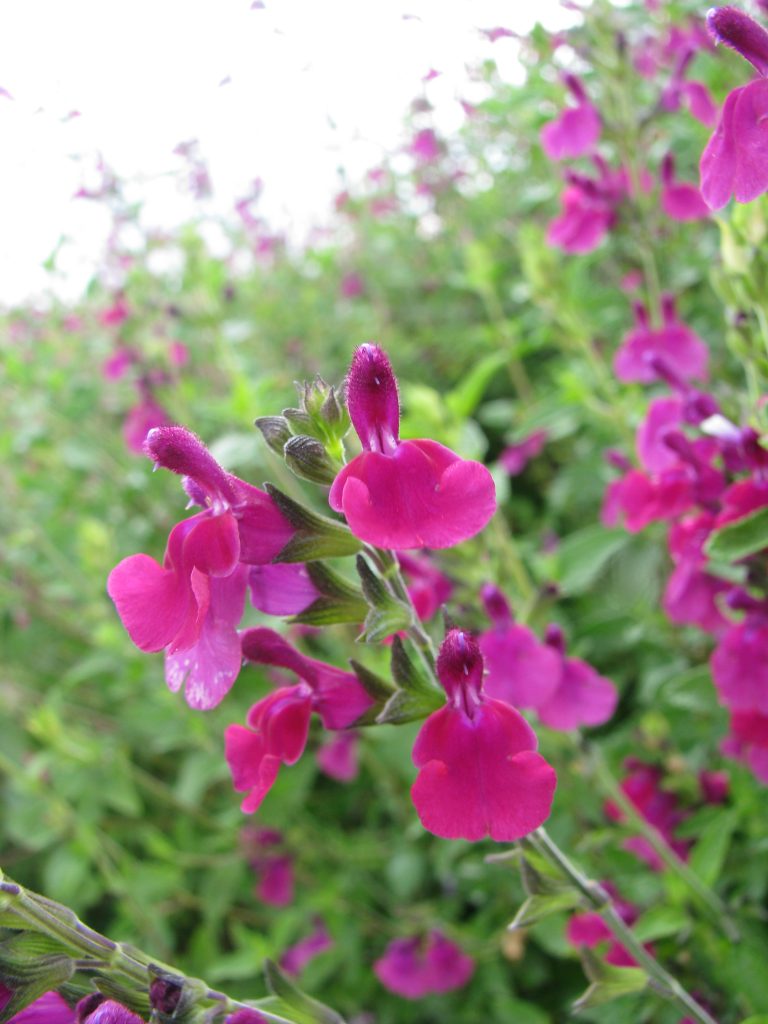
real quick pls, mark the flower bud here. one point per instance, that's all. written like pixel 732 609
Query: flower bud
pixel 275 430
pixel 736 29
pixel 308 459
pixel 372 399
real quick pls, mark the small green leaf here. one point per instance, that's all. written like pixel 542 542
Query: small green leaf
pixel 622 981
pixel 316 536
pixel 305 1009
pixel 659 923
pixel 404 706
pixel 583 556
pixel 465 398
pixel 709 853
pixel 740 539
pixel 544 905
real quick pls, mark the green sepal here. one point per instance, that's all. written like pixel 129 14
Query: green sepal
pixel 30 980
pixel 542 905
pixel 387 614
pixel 377 688
pixel 304 1009
pixel 316 536
pixel 404 706
pixel 608 982
pixel 410 675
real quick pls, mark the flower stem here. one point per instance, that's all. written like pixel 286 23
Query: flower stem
pixel 704 895
pixel 94 952
pixel 658 977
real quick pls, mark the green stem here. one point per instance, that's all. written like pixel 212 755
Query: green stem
pixel 659 978
pixel 704 895
pixel 94 952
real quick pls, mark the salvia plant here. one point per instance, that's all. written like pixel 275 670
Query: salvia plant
pixel 466 714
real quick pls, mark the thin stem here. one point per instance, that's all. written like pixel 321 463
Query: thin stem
pixel 92 951
pixel 708 899
pixel 659 978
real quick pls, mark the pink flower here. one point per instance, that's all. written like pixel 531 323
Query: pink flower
pixel 590 930
pixel 272 864
pixel 190 605
pixel 278 725
pixel 352 285
pixel 140 420
pixel 425 147
pixel 118 363
pixel 642 787
pixel 735 161
pixel 521 670
pixel 740 665
pixel 479 773
pixel 576 131
pixel 178 353
pixel 494 34
pixel 516 457
pixel 50 1008
pixel 748 742
pixel 416 967
pixel 680 200
pixel 427 587
pixel 115 314
pixel 691 593
pixel 404 494
pixel 581 697
pixel 586 218
pixel 338 758
pixel 281 589
pixel 674 343
pixel 296 957
pixel 110 1012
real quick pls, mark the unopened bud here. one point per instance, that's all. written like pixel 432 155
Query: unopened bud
pixel 308 459
pixel 275 430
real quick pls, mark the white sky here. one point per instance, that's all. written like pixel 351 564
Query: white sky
pixel 286 93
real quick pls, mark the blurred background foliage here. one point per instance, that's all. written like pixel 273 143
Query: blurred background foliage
pixel 116 798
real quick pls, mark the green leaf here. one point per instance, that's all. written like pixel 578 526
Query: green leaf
pixel 465 398
pixel 316 536
pixel 740 539
pixel 659 923
pixel 404 706
pixel 583 556
pixel 709 853
pixel 305 1010
pixel 622 981
pixel 544 905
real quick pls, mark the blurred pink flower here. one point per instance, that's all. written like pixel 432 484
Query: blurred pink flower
pixel 575 132
pixel 296 957
pixel 417 967
pixel 515 457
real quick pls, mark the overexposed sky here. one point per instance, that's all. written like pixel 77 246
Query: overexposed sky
pixel 284 90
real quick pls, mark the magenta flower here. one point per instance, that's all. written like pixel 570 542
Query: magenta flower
pixel 428 588
pixel 352 286
pixel 576 131
pixel 417 967
pixel 425 147
pixel 271 863
pixel 296 957
pixel 110 1012
pixel 585 219
pixel 278 725
pixel 247 1016
pixel 642 787
pixel 581 696
pixel 674 343
pixel 50 1008
pixel 117 365
pixel 116 314
pixel 338 758
pixel 690 597
pixel 748 742
pixel 479 774
pixel 190 605
pixel 735 161
pixel 140 420
pixel 590 930
pixel 740 665
pixel 520 669
pixel 404 494
pixel 680 200
pixel 282 588
pixel 516 457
